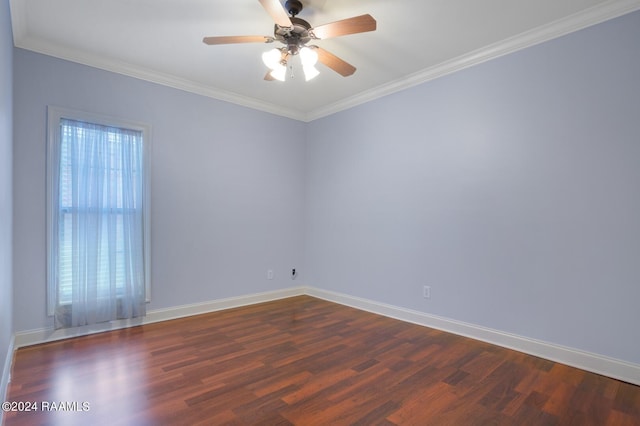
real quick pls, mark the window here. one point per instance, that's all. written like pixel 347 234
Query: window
pixel 97 217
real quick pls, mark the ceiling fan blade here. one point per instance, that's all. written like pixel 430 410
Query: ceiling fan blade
pixel 237 39
pixel 340 66
pixel 277 12
pixel 268 76
pixel 357 24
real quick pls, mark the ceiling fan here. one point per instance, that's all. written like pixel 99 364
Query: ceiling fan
pixel 295 34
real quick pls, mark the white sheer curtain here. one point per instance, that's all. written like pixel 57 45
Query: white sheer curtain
pixel 99 256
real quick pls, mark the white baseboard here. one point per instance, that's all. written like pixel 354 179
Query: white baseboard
pixel 42 335
pixel 600 364
pixel 6 374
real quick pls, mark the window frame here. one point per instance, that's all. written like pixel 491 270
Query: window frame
pixel 54 116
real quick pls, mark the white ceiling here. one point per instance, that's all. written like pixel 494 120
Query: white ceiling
pixel 416 40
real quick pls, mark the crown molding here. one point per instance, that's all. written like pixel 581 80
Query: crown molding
pixel 18 12
pixel 152 76
pixel 558 28
pixel 550 31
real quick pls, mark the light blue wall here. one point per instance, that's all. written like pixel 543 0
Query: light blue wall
pixel 6 204
pixel 227 188
pixel 511 188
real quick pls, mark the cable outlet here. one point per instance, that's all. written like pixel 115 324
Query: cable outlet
pixel 426 292
pixel 269 274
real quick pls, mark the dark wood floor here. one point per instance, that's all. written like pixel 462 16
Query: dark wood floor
pixel 305 361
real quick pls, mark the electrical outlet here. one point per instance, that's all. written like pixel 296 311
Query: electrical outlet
pixel 293 274
pixel 269 274
pixel 426 292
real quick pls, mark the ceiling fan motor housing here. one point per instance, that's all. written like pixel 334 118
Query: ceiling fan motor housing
pixel 295 36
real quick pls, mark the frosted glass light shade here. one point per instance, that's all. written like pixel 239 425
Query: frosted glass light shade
pixel 310 72
pixel 271 58
pixel 279 72
pixel 308 57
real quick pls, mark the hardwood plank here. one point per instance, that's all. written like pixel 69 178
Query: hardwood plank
pixel 305 361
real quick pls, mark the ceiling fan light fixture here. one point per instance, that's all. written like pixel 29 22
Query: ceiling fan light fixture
pixel 308 57
pixel 279 72
pixel 310 72
pixel 272 58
